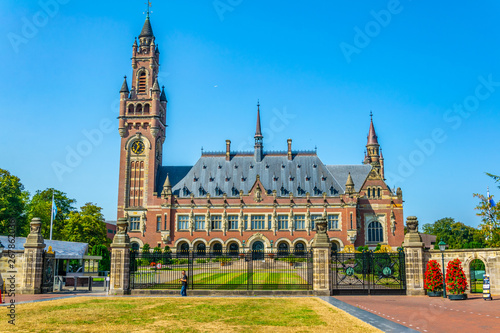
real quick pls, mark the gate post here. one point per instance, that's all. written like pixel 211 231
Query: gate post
pixel 33 259
pixel 120 260
pixel 322 273
pixel 414 258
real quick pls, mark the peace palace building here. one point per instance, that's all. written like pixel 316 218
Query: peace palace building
pixel 238 201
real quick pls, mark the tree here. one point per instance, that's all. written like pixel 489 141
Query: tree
pixel 86 226
pixel 456 235
pixel 13 199
pixel 490 218
pixel 102 250
pixel 495 178
pixel 41 205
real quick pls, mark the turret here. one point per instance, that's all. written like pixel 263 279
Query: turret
pixel 167 188
pixel 349 185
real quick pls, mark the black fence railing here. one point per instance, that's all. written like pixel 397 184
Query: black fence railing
pixel 368 273
pixel 256 270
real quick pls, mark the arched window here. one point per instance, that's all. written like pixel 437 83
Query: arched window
pixel 131 108
pixel 142 83
pixel 146 108
pixel 282 248
pixel 378 193
pixel 218 248
pixel 200 249
pixel 300 248
pixel 135 246
pixel 369 192
pixel 375 232
pixel 138 109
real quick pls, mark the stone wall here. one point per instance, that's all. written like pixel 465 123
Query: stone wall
pixel 490 257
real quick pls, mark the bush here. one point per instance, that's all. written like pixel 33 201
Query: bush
pixel 176 261
pixel 456 282
pixel 157 250
pixel 433 280
pixel 146 247
pixel 142 262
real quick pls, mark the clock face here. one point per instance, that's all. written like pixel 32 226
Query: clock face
pixel 138 147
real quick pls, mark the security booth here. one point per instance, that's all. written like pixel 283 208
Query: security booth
pixel 486 287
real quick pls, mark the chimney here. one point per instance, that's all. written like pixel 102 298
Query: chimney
pixel 289 141
pixel 228 150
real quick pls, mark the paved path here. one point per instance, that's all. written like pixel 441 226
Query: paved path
pixel 433 314
pixel 370 318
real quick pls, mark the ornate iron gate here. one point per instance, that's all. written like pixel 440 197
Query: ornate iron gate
pixel 48 272
pixel 254 270
pixel 368 273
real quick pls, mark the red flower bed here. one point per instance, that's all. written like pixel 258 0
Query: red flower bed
pixel 433 280
pixel 456 282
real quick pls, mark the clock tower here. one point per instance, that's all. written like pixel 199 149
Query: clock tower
pixel 142 126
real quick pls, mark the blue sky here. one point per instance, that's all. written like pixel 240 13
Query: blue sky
pixel 429 72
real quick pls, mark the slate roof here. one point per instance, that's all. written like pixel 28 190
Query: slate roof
pixel 305 173
pixel 147 30
pixel 63 250
pixel 358 173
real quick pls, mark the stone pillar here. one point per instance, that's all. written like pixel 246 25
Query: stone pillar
pixel 414 258
pixel 120 260
pixel 322 273
pixel 33 259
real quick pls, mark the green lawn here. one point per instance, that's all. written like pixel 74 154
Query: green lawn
pixel 173 314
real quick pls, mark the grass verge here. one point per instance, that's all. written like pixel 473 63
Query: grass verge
pixel 142 314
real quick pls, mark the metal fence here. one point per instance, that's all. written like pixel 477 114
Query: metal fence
pixel 255 270
pixel 368 273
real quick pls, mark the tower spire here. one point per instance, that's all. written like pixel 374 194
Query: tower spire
pixel 372 146
pixel 258 137
pixel 372 136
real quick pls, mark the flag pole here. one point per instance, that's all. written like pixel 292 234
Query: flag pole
pixel 51 215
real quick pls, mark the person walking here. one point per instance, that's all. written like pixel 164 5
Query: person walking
pixel 184 281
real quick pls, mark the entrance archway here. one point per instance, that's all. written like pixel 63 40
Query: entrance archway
pixel 234 249
pixel 477 269
pixel 258 250
pixel 200 249
pixel 217 248
pixel 283 249
pixel 184 249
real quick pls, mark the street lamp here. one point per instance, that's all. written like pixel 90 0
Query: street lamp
pixel 442 247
